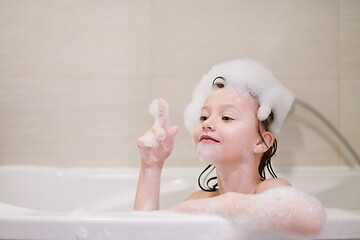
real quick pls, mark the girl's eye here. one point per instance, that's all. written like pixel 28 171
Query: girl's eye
pixel 226 118
pixel 203 118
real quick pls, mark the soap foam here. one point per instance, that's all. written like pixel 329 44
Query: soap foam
pixel 159 109
pixel 249 76
pixel 206 153
pixel 285 210
pixel 210 154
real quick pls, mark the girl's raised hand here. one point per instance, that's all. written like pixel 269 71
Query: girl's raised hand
pixel 157 143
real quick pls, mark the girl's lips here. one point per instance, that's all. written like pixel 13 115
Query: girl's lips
pixel 208 139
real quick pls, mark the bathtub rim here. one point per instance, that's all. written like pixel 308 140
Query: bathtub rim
pixel 336 227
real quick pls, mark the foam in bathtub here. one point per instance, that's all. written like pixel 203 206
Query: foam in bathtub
pixel 243 75
pixel 159 109
pixel 284 210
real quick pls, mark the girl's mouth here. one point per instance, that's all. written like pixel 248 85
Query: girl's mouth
pixel 208 139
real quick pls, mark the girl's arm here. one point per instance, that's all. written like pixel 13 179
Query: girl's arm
pixel 154 146
pixel 281 209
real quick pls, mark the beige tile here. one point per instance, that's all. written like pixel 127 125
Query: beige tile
pixel 304 139
pixel 176 91
pixel 295 38
pixel 71 122
pixel 350 38
pixel 321 93
pixel 82 38
pixel 76 77
pixel 350 113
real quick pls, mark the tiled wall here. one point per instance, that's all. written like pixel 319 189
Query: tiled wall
pixel 76 77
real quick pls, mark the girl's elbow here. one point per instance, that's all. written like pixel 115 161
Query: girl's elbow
pixel 308 222
pixel 315 221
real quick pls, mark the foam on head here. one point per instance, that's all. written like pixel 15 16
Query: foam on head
pixel 243 75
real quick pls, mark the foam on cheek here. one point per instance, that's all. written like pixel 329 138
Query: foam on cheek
pixel 159 109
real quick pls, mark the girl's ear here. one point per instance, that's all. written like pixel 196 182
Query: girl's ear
pixel 265 142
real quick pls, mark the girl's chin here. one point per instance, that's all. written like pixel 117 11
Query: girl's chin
pixel 213 154
pixel 208 153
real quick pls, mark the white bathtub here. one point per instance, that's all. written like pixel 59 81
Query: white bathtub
pixel 82 203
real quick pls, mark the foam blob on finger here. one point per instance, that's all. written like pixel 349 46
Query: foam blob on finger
pixel 159 133
pixel 159 110
pixel 148 140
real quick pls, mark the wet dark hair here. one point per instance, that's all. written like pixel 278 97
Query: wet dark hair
pixel 219 82
pixel 209 184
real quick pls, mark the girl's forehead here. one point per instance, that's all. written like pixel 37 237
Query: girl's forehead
pixel 237 98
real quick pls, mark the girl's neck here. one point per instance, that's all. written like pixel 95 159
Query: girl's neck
pixel 242 178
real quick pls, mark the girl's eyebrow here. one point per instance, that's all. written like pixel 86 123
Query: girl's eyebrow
pixel 204 107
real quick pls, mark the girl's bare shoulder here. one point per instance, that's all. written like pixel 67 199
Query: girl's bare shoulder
pixel 272 183
pixel 202 194
pixel 263 186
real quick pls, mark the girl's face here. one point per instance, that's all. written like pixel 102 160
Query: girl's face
pixel 227 130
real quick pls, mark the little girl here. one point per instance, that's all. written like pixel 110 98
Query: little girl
pixel 234 117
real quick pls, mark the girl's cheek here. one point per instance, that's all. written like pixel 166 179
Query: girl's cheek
pixel 195 135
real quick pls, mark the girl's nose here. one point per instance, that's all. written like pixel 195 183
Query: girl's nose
pixel 208 125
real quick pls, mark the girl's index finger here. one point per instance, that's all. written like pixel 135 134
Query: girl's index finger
pixel 159 109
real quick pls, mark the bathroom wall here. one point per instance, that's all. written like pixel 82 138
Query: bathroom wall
pixel 76 77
